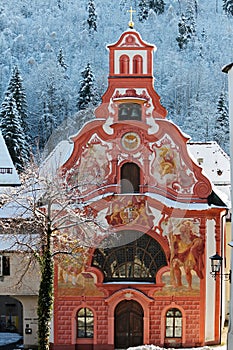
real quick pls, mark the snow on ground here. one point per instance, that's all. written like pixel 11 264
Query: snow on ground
pixel 153 347
pixel 8 338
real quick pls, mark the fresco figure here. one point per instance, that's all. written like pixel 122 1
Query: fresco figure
pixel 167 161
pixel 187 250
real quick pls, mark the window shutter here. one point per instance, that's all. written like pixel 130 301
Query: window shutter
pixel 1 265
pixel 6 265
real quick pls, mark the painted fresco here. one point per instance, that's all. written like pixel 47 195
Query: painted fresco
pixel 130 210
pixel 92 168
pixel 78 284
pixel 186 257
pixel 72 278
pixel 168 168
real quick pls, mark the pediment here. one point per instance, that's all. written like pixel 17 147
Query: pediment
pixel 131 39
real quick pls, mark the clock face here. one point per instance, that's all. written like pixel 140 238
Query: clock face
pixel 130 141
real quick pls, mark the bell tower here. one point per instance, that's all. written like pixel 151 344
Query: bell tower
pixel 130 94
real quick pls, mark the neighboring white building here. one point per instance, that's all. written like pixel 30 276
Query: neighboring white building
pixel 216 165
pixel 8 173
pixel 229 70
pixel 18 296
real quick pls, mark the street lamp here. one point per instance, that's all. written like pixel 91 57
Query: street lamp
pixel 216 265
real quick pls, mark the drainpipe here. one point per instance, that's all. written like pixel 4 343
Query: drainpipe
pixel 229 70
pixel 223 253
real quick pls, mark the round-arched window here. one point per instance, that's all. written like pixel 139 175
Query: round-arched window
pixel 173 323
pixel 124 64
pixel 137 64
pixel 85 323
pixel 137 260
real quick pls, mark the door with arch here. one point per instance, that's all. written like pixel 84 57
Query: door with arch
pixel 128 324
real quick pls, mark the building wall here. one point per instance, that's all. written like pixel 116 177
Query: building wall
pixel 22 285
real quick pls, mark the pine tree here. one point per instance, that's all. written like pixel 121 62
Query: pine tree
pixel 191 14
pixel 142 11
pixel 13 133
pixel 92 17
pixel 157 6
pixel 15 87
pixel 87 93
pixel 221 133
pixel 228 7
pixel 47 124
pixel 186 29
pixel 61 60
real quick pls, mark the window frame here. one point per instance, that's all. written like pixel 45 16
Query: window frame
pixel 4 265
pixel 86 326
pixel 124 63
pixel 137 64
pixel 139 260
pixel 175 327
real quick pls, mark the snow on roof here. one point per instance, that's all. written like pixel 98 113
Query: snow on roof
pixel 214 161
pixel 215 164
pixel 56 158
pixel 180 205
pixel 23 242
pixel 15 210
pixel 8 173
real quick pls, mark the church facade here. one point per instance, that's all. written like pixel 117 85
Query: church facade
pixel 147 280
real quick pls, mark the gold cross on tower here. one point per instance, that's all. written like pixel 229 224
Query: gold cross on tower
pixel 131 23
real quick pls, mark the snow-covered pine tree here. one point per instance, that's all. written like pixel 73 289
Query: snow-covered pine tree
pixel 47 124
pixel 191 13
pixel 142 11
pixel 157 6
pixel 186 29
pixel 15 87
pixel 92 17
pixel 87 92
pixel 183 30
pixel 61 60
pixel 13 133
pixel 221 132
pixel 228 7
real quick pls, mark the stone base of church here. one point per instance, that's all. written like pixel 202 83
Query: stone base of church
pixel 82 347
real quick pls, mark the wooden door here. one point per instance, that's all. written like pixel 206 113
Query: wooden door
pixel 128 324
pixel 130 178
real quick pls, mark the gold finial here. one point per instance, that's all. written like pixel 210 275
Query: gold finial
pixel 131 23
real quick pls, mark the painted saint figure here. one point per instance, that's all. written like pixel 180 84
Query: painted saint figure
pixel 187 250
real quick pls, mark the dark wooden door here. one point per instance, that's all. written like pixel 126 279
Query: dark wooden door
pixel 128 324
pixel 130 178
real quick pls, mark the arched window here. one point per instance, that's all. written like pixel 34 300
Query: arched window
pixel 173 323
pixel 137 64
pixel 130 178
pixel 134 256
pixel 85 323
pixel 130 111
pixel 124 64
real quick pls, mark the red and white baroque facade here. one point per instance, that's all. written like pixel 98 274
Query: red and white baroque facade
pixel 149 281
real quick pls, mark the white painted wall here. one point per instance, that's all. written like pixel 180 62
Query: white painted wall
pixel 229 70
pixel 210 283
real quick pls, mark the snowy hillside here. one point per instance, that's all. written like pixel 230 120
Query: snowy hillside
pixel 51 43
